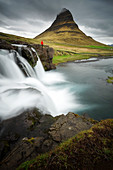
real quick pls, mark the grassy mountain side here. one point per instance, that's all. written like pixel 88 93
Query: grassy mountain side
pixel 63 51
pixel 65 30
pixel 9 37
pixel 91 149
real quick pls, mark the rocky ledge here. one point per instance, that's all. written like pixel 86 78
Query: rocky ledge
pixel 24 137
pixel 45 53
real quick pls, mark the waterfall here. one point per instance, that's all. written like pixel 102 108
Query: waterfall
pixel 39 89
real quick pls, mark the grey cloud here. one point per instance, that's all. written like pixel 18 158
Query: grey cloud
pixel 96 14
pixel 2 23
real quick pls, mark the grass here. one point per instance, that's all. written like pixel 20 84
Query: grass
pixel 89 149
pixel 9 37
pixel 110 80
pixel 100 47
pixel 65 58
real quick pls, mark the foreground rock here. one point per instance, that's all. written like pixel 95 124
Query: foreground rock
pixel 89 150
pixel 31 133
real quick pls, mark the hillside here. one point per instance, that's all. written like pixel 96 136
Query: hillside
pixel 64 52
pixel 65 30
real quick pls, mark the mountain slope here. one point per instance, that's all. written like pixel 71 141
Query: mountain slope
pixel 65 30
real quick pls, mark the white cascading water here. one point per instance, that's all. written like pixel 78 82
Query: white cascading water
pixel 40 89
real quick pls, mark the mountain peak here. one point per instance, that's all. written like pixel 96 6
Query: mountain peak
pixel 63 10
pixel 64 18
pixel 65 30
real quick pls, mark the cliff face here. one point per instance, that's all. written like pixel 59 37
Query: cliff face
pixel 65 30
pixel 46 53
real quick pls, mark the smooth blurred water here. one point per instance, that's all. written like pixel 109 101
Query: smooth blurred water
pixel 91 91
pixel 47 91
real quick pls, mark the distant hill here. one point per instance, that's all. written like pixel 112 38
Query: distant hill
pixel 65 30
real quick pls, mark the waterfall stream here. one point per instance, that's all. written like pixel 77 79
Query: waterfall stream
pixel 47 91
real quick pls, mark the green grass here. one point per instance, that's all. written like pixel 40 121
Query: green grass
pixel 110 80
pixel 65 58
pixel 100 47
pixel 9 37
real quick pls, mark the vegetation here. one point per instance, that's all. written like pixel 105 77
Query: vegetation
pixel 9 37
pixel 110 80
pixel 63 50
pixel 91 149
pixel 65 58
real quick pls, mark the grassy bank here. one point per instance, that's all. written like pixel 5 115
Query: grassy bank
pixel 65 58
pixel 91 149
pixel 57 59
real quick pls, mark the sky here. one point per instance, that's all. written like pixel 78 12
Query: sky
pixel 28 18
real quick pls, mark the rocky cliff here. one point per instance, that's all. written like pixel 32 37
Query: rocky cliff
pixel 45 53
pixel 65 30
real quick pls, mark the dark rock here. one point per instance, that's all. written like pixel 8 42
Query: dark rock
pixel 5 45
pixel 46 53
pixel 29 124
pixel 68 126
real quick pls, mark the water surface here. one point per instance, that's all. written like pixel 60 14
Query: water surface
pixel 93 94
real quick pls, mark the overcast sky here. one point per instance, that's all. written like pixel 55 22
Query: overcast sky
pixel 29 18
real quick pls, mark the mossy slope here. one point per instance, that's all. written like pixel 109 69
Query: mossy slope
pixel 91 149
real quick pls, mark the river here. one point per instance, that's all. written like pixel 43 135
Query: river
pixel 87 82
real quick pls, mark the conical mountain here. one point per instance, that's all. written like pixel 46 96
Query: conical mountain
pixel 65 30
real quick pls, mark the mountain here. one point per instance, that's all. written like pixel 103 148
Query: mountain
pixel 65 30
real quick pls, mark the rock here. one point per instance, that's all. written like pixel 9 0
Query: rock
pixel 68 126
pixel 29 124
pixel 5 45
pixel 25 150
pixel 46 53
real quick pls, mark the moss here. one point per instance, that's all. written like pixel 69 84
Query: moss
pixel 110 80
pixel 92 121
pixel 31 140
pixel 76 115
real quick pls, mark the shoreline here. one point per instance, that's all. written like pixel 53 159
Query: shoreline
pixel 85 60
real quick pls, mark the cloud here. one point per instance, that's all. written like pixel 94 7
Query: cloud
pixel 2 23
pixel 34 16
